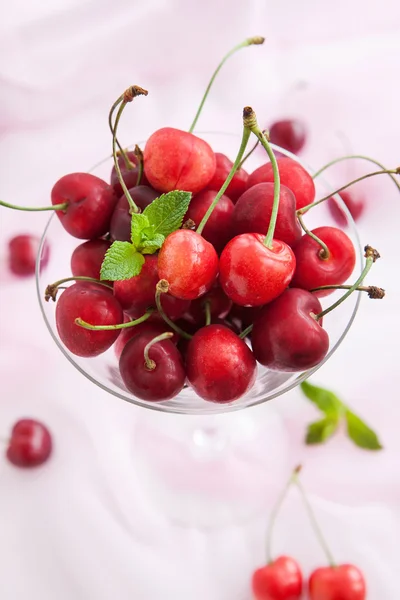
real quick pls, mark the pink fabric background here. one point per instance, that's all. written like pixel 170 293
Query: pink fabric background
pixel 81 528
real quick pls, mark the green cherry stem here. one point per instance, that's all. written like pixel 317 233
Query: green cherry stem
pixel 207 310
pixel 303 210
pixel 360 157
pixel 150 364
pixel 86 325
pixel 62 207
pixel 246 332
pixel 127 96
pixel 162 288
pixel 248 42
pixel 235 166
pixel 324 252
pixel 371 256
pixel 374 292
pixel 52 289
pixel 250 121
pixel 127 162
pixel 139 156
pixel 250 152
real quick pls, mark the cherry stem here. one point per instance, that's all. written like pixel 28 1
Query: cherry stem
pixel 314 522
pixel 250 152
pixel 139 156
pixel 162 288
pixel 62 207
pixel 149 362
pixel 207 310
pixel 361 157
pixel 251 122
pixel 303 210
pixel 248 42
pixel 86 325
pixel 324 253
pixel 243 144
pixel 128 164
pixel 127 96
pixel 371 256
pixel 275 510
pixel 246 332
pixel 52 289
pixel 374 292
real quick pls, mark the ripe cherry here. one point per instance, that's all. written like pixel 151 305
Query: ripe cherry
pixel 30 444
pixel 220 367
pixel 153 328
pixel 87 258
pixel 91 202
pixel 238 184
pixel 189 263
pixel 292 175
pixel 354 203
pixel 252 213
pixel 289 134
pixel 94 304
pixel 175 159
pixel 313 271
pixel 341 582
pixel 160 375
pixel 130 176
pixel 286 336
pixel 281 579
pixel 120 225
pixel 22 253
pixel 252 274
pixel 219 304
pixel 218 230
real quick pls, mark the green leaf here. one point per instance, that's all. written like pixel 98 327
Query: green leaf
pixel 166 213
pixel 319 431
pixel 121 262
pixel 323 399
pixel 152 245
pixel 362 435
pixel 138 224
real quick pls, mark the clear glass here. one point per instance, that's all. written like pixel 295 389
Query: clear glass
pixel 198 458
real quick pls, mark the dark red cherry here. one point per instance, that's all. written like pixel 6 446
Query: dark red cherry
pixel 252 213
pixel 289 134
pixel 218 230
pixel 354 203
pixel 286 336
pixel 163 382
pixel 281 579
pixel 87 258
pixel 341 582
pixel 238 184
pixel 129 176
pixel 219 302
pixel 220 367
pixel 137 294
pixel 150 327
pixel 312 271
pixel 22 253
pixel 189 263
pixel 120 225
pixel 292 175
pixel 91 204
pixel 30 444
pixel 252 274
pixel 243 316
pixel 178 160
pixel 94 304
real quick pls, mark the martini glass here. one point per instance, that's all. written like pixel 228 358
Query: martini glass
pixel 204 464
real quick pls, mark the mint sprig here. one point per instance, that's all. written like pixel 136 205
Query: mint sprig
pixel 149 229
pixel 335 411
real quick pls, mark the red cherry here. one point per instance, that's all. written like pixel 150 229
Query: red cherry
pixel 30 444
pixel 280 580
pixel 175 159
pixel 292 175
pixel 137 294
pixel 252 274
pixel 218 230
pixel 91 204
pixel 289 134
pixel 163 382
pixel 341 582
pixel 87 258
pixel 153 328
pixel 189 263
pixel 220 367
pixel 238 184
pixel 22 253
pixel 285 335
pixel 355 205
pixel 94 304
pixel 120 225
pixel 128 175
pixel 252 213
pixel 312 271
pixel 220 306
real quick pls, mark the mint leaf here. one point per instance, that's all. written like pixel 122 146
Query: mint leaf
pixel 362 435
pixel 121 262
pixel 138 224
pixel 152 245
pixel 323 399
pixel 320 431
pixel 166 213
